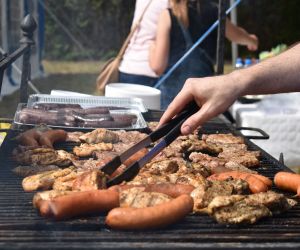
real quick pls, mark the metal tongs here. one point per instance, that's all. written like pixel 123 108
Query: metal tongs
pixel 168 132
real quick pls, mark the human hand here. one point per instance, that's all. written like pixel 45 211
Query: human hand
pixel 253 42
pixel 213 94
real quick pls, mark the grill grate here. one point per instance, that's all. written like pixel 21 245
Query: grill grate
pixel 22 227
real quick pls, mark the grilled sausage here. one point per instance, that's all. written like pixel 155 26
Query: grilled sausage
pixel 36 116
pixel 150 217
pixel 50 137
pixel 170 189
pixel 93 110
pixel 55 106
pixel 288 181
pixel 80 203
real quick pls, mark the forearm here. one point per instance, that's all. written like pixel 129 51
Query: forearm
pixel 236 34
pixel 275 75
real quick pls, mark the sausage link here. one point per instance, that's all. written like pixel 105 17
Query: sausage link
pixel 80 203
pixel 288 181
pixel 150 217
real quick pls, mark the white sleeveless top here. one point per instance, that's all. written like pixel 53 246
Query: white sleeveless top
pixel 136 58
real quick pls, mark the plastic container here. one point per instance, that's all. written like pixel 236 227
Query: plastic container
pixel 248 62
pixel 149 95
pixel 239 63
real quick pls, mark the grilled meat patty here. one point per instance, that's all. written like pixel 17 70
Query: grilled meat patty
pixel 135 197
pixel 247 209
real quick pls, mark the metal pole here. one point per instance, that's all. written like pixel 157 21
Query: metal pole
pixel 28 26
pixel 234 47
pixel 221 37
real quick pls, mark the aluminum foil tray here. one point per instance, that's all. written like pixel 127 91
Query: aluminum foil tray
pixel 88 101
pixel 140 123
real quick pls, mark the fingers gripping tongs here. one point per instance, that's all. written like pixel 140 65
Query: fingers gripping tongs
pixel 168 132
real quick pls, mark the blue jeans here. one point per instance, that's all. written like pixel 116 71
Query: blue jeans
pixel 137 79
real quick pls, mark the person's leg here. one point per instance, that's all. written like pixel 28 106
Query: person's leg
pixel 137 79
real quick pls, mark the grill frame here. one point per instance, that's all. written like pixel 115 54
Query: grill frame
pixel 22 227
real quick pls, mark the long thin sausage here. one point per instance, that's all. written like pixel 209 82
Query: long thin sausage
pixel 150 217
pixel 255 184
pixel 288 181
pixel 80 203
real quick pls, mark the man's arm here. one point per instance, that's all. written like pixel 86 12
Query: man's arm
pixel 215 94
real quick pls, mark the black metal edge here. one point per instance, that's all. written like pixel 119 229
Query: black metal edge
pixel 264 135
pixel 6 120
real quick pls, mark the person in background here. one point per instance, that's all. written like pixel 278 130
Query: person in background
pixel 134 67
pixel 214 95
pixel 178 28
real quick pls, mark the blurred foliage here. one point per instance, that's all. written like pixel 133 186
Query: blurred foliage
pixel 274 22
pixel 100 26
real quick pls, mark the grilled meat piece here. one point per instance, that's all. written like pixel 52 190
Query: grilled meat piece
pixel 45 180
pixel 276 202
pixel 234 166
pixel 246 158
pixel 205 193
pixel 161 167
pixel 207 161
pixel 121 146
pixel 190 179
pixel 74 136
pixel 46 196
pixel 200 146
pixel 233 147
pixel 89 164
pixel 235 210
pixel 194 168
pixel 91 180
pixel 247 209
pixel 25 171
pixel 100 135
pixel 146 178
pixel 64 158
pixel 102 157
pixel 44 156
pixel 85 149
pixel 220 139
pixel 135 197
pixel 128 137
pixel 65 183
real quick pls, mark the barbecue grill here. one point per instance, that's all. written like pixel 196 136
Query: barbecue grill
pixel 22 227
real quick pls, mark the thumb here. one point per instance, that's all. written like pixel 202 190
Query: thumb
pixel 195 121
